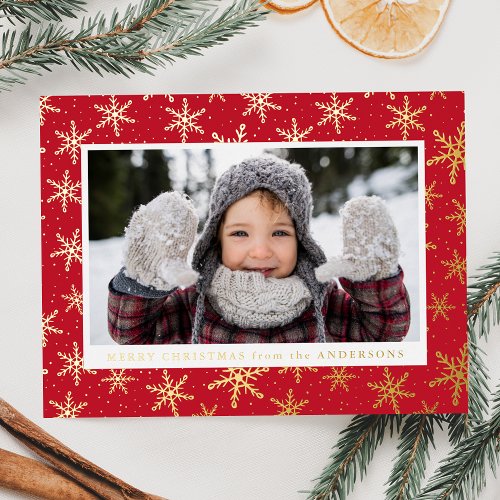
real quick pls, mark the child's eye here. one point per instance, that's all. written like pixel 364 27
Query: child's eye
pixel 280 233
pixel 239 233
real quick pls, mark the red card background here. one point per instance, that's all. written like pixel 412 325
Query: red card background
pixel 67 122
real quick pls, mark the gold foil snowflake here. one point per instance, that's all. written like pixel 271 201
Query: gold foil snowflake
pixel 213 96
pixel 169 96
pixel 430 195
pixel 289 406
pixel 297 370
pixel 169 392
pixel 118 380
pixel 45 107
pixel 454 372
pixel 406 118
pixel 114 114
pixel 391 95
pixel 205 412
pixel 73 365
pixel 74 299
pixel 456 267
pixel 260 104
pixel 238 380
pixel 66 191
pixel 240 135
pixel 451 153
pixel 71 142
pixel 440 306
pixel 294 134
pixel 426 409
pixel 458 216
pixel 68 408
pixel 437 92
pixel 339 377
pixel 185 120
pixel 335 112
pixel 70 249
pixel 429 245
pixel 48 328
pixel 390 390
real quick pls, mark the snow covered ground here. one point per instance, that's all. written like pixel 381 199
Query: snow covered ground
pixel 105 258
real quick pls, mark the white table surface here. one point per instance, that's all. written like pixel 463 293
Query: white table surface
pixel 244 458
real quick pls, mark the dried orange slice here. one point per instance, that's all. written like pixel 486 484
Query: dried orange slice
pixel 288 6
pixel 386 28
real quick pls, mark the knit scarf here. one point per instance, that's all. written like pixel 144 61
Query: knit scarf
pixel 250 300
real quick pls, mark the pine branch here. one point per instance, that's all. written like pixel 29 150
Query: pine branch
pixel 352 454
pixel 459 427
pixel 159 16
pixel 485 294
pixel 36 10
pixel 409 469
pixel 479 301
pixel 478 385
pixel 462 474
pixel 155 32
pixel 207 31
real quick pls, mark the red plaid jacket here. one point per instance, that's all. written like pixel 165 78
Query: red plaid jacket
pixel 370 311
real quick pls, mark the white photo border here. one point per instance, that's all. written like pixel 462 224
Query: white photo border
pixel 404 353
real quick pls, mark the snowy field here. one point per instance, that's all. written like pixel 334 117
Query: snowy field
pixel 106 259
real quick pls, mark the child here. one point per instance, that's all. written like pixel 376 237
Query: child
pixel 260 276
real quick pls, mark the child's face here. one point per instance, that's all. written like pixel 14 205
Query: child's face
pixel 254 237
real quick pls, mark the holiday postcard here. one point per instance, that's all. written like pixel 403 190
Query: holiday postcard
pixel 104 156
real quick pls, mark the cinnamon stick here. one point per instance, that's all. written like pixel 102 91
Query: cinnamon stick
pixel 32 477
pixel 84 472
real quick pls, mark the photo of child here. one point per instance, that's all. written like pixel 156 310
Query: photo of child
pixel 256 273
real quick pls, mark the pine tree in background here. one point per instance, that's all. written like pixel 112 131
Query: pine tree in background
pixel 332 170
pixel 110 200
pixel 157 179
pixel 475 437
pixel 143 37
pixel 200 179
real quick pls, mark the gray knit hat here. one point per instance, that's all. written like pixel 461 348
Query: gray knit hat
pixel 290 184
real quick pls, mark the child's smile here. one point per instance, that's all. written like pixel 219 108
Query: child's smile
pixel 254 237
pixel 265 271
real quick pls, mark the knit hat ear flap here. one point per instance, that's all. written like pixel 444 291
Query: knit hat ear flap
pixel 210 263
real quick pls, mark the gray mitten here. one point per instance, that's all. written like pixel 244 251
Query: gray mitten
pixel 371 244
pixel 157 242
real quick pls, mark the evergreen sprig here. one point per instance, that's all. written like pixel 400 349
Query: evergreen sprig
pixel 477 384
pixel 461 475
pixel 482 294
pixel 460 425
pixel 143 37
pixel 36 10
pixel 409 468
pixel 483 299
pixel 352 455
pixel 475 440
